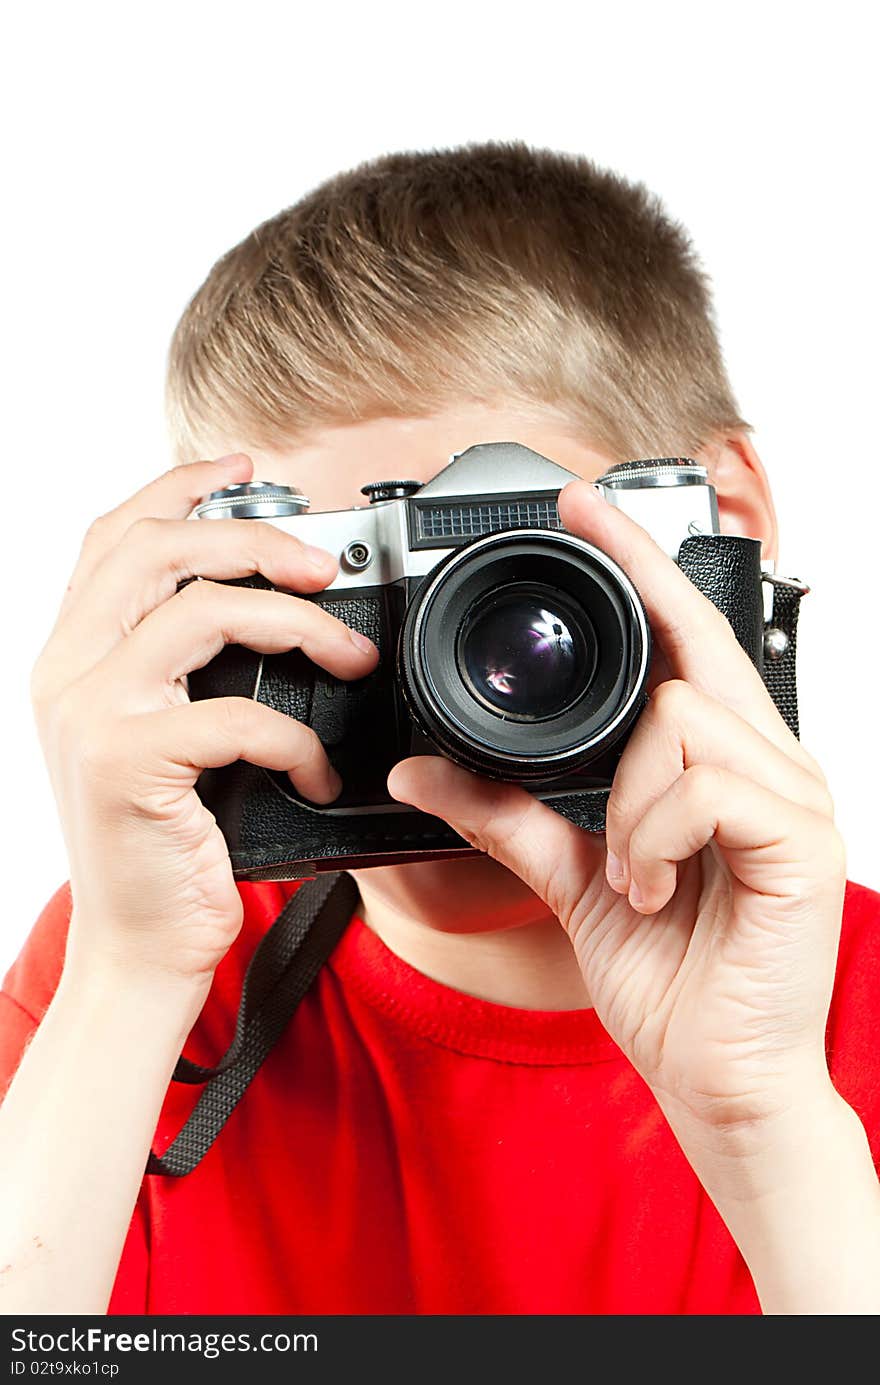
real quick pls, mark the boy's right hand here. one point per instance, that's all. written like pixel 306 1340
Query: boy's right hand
pixel 152 885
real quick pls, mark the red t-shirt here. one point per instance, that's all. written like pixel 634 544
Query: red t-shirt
pixel 409 1149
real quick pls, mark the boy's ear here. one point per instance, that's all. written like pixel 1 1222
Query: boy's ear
pixel 745 504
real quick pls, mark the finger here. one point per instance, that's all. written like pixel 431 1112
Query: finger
pixel 187 631
pixel 697 640
pixel 552 856
pixel 155 556
pixel 171 496
pixel 177 743
pixel 772 846
pixel 682 727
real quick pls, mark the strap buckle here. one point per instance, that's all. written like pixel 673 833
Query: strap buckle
pixel 793 583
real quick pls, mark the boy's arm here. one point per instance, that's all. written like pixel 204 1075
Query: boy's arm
pixel 801 1198
pixel 75 1132
pixel 155 904
pixel 706 926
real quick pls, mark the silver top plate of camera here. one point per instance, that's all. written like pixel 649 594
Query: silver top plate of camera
pixel 477 492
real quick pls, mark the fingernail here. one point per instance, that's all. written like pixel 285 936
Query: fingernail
pixel 333 786
pixel 614 867
pixel 316 557
pixel 361 642
pixel 233 459
pixel 635 895
pixel 591 492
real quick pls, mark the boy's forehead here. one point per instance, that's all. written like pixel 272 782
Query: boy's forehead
pixel 331 464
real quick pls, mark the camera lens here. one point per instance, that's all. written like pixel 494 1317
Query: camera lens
pixel 526 652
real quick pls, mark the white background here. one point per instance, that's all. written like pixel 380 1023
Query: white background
pixel 143 142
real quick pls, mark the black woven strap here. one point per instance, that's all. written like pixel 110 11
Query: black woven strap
pixel 281 970
pixel 780 675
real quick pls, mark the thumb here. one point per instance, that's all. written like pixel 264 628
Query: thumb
pixel 553 857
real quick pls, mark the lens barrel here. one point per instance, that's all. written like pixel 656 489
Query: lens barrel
pixel 524 655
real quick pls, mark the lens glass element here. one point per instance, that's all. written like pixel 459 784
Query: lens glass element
pixel 526 652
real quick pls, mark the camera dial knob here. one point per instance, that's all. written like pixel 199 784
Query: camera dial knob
pixel 252 500
pixel 655 471
pixel 390 490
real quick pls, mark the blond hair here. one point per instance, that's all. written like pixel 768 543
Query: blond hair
pixel 487 272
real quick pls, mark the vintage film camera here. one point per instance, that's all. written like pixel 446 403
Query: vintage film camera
pixel 507 644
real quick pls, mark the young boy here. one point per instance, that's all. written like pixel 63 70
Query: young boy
pixel 570 1074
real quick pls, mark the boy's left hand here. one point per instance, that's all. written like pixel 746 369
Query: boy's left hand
pixel 709 951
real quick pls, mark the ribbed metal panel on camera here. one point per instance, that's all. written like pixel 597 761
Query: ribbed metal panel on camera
pixel 440 525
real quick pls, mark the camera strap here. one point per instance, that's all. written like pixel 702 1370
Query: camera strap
pixel 283 967
pixel 780 654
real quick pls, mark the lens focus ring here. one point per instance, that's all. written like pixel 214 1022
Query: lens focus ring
pixel 524 655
